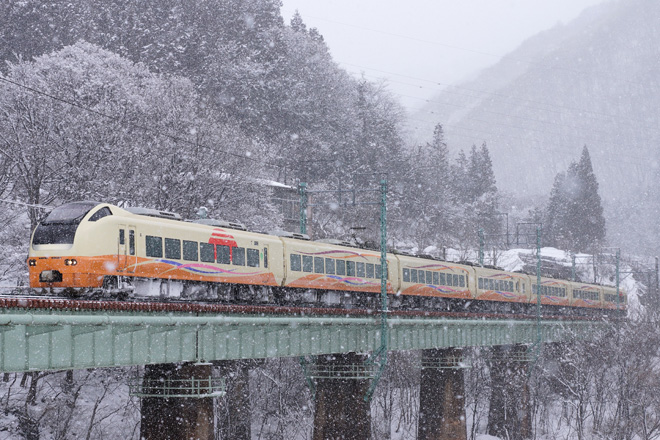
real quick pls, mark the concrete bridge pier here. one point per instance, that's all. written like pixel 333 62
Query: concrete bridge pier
pixel 509 414
pixel 441 396
pixel 234 412
pixel 340 410
pixel 175 418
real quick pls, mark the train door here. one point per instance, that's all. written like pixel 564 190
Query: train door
pixel 126 249
pixel 131 262
pixel 121 249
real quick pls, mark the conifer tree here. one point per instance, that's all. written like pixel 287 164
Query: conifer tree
pixel 574 217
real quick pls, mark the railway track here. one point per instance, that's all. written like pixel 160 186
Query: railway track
pixel 61 303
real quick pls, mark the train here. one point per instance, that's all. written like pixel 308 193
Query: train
pixel 97 248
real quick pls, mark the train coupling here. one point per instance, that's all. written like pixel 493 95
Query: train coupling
pixel 50 276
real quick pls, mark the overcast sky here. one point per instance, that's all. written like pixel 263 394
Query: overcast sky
pixel 419 46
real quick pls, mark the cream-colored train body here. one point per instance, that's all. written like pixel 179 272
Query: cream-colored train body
pixel 335 270
pixel 498 285
pixel 89 245
pixel 434 278
pixel 161 256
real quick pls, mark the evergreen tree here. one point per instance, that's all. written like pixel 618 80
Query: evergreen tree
pixel 574 216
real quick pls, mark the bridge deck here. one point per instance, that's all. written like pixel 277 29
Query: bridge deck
pixel 57 334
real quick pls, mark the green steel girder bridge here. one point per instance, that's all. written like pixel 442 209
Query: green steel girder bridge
pixel 56 334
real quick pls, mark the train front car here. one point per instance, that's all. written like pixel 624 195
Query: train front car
pixel 68 249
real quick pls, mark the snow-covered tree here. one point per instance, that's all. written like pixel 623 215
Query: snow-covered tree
pixel 574 216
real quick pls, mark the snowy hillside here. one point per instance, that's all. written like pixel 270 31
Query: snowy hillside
pixel 591 82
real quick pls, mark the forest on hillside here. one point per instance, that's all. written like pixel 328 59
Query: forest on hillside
pixel 178 104
pixel 182 104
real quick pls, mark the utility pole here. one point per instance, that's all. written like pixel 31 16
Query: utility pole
pixel 379 357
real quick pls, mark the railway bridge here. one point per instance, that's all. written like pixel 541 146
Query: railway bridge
pixel 61 334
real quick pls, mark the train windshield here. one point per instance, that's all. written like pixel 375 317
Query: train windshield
pixel 61 224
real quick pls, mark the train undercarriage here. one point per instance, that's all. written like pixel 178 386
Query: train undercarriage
pixel 168 290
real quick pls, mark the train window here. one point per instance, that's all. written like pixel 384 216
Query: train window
pixel 429 277
pixel 265 257
pixel 154 246
pixel 131 242
pixel 523 287
pixel 480 282
pixel 491 284
pixel 190 250
pixel 173 248
pixel 442 282
pixel 206 253
pixel 510 286
pixel 370 270
pixel 450 282
pixel 461 280
pixel 253 257
pixel 377 271
pixel 319 265
pixel 341 267
pixel 359 270
pixel 350 268
pixel 329 266
pixel 534 288
pixel 103 212
pixel 122 237
pixel 223 254
pixel 295 262
pixel 238 256
pixel 406 275
pixel 413 275
pixel 436 278
pixel 308 263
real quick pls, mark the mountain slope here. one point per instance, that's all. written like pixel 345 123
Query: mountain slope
pixel 594 82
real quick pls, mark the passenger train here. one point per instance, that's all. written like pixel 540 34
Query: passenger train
pixel 98 248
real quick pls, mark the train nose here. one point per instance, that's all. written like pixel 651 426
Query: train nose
pixel 50 276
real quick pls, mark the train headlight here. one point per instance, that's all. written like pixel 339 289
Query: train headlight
pixel 70 262
pixel 32 262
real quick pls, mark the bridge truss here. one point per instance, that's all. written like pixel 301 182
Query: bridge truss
pixel 40 334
